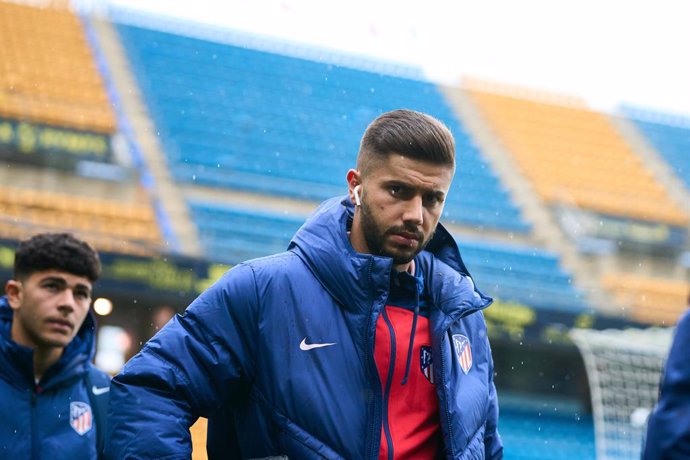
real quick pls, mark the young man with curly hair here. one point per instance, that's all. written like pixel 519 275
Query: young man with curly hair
pixel 49 389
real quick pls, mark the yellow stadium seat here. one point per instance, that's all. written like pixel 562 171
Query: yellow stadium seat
pixel 573 155
pixel 129 227
pixel 47 54
pixel 651 300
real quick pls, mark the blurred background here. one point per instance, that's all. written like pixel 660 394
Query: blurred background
pixel 181 138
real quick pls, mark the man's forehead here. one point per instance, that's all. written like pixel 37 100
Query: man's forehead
pixel 417 172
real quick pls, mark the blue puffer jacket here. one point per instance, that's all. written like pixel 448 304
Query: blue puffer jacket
pixel 50 420
pixel 668 430
pixel 235 356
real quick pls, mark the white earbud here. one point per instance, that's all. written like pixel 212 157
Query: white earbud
pixel 355 191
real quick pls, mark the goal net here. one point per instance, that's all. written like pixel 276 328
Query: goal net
pixel 624 369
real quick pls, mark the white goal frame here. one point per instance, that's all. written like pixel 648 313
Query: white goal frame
pixel 624 369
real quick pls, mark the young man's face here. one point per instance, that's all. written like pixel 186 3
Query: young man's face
pixel 49 308
pixel 401 202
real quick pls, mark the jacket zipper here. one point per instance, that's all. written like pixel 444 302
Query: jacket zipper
pixel 34 427
pixel 451 454
pixel 372 453
pixel 389 382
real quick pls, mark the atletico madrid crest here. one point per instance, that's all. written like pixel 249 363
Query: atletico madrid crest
pixel 80 417
pixel 463 352
pixel 426 363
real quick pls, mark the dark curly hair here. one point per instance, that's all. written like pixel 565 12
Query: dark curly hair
pixel 56 251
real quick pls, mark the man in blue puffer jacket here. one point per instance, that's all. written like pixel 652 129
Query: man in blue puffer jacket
pixel 46 347
pixel 668 427
pixel 364 340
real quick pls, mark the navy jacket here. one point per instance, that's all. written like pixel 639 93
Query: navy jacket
pixel 52 420
pixel 237 356
pixel 668 429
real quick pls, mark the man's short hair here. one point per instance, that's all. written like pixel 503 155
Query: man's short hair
pixel 56 251
pixel 411 134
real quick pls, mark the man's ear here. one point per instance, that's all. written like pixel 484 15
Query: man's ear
pixel 353 180
pixel 13 290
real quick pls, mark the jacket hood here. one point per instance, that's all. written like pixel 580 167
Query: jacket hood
pixel 356 279
pixel 15 358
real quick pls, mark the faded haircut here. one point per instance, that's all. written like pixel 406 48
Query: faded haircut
pixel 411 134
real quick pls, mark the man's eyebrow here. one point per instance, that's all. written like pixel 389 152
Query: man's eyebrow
pixel 395 182
pixel 54 279
pixel 62 281
pixel 408 185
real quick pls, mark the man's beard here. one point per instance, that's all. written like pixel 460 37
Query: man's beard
pixel 375 238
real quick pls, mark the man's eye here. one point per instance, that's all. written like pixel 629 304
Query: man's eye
pixel 432 200
pixel 81 295
pixel 395 189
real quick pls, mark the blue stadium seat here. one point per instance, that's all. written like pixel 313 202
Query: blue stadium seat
pixel 232 234
pixel 532 431
pixel 669 135
pixel 233 117
pixel 530 276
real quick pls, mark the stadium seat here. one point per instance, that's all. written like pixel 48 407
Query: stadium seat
pixel 231 234
pixel 237 118
pixel 650 300
pixel 669 135
pixel 515 273
pixel 532 429
pixel 574 156
pixel 110 225
pixel 47 72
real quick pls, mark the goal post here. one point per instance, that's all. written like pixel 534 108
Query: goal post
pixel 624 369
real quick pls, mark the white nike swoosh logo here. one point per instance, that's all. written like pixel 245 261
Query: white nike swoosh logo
pixel 99 390
pixel 304 346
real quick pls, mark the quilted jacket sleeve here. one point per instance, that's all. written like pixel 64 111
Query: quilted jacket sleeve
pixel 668 430
pixel 492 439
pixel 198 362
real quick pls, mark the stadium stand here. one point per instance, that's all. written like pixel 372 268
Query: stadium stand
pixel 56 129
pixel 574 156
pixel 111 225
pixel 47 72
pixel 670 136
pixel 533 429
pixel 238 118
pixel 232 234
pixel 530 276
pixel 171 213
pixel 650 300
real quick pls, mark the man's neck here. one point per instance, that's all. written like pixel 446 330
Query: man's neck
pixel 408 267
pixel 44 358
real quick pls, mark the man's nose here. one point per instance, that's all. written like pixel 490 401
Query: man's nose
pixel 414 210
pixel 67 300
